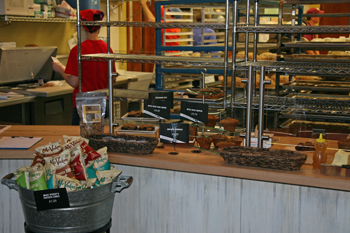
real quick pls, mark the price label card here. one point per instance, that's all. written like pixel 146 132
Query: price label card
pixel 174 133
pixel 165 95
pixel 157 108
pixel 51 199
pixel 195 112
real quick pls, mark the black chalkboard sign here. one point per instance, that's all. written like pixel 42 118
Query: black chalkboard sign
pixel 165 95
pixel 51 199
pixel 174 133
pixel 157 108
pixel 195 112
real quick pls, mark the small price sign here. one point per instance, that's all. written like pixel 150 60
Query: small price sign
pixel 195 112
pixel 157 108
pixel 165 95
pixel 51 199
pixel 174 133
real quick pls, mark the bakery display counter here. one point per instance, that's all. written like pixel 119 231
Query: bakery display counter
pixel 206 162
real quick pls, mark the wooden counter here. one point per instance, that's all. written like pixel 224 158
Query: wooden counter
pixel 200 193
pixel 205 162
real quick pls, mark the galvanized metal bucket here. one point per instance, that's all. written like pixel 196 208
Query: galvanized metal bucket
pixel 89 210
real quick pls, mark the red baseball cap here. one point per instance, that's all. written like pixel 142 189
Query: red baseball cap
pixel 314 11
pixel 91 15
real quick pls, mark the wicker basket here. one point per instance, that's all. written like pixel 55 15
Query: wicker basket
pixel 131 144
pixel 261 157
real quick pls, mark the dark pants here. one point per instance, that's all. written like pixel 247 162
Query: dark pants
pixel 75 117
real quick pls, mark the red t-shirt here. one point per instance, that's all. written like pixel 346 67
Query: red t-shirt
pixel 309 37
pixel 94 73
pixel 175 43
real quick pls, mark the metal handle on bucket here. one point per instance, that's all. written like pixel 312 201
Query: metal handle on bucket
pixel 9 181
pixel 121 183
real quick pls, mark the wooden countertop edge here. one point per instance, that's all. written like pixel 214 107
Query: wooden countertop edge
pixel 207 163
pixel 259 174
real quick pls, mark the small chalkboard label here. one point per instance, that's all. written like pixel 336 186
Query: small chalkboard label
pixel 157 108
pixel 174 133
pixel 51 199
pixel 195 112
pixel 166 95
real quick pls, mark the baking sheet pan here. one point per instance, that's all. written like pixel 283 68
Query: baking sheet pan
pixel 127 118
pixel 201 99
pixel 301 44
pixel 317 124
pixel 120 130
pixel 328 86
pixel 317 58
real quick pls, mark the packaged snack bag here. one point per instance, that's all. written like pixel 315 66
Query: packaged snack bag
pixel 51 181
pixel 68 183
pixel 49 150
pixel 21 177
pixel 88 153
pixel 37 177
pixel 72 138
pixel 71 143
pixel 78 163
pixel 102 163
pixel 62 163
pixel 39 158
pixel 86 184
pixel 91 108
pixel 105 177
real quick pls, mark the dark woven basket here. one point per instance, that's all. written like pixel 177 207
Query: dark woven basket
pixel 261 157
pixel 141 145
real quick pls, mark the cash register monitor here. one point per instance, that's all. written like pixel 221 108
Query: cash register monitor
pixel 26 64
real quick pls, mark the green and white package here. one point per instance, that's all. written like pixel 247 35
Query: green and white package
pixel 37 177
pixel 21 177
pixel 102 163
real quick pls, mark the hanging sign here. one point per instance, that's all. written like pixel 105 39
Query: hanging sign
pixel 157 108
pixel 195 112
pixel 165 95
pixel 174 133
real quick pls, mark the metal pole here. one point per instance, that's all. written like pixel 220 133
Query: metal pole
pixel 79 45
pixel 249 107
pixel 227 18
pixel 110 76
pixel 261 107
pixel 247 33
pixel 234 49
pixel 255 46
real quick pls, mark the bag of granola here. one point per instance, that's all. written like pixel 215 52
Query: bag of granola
pixel 91 108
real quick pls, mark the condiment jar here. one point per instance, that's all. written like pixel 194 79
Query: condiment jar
pixel 40 81
pixel 319 155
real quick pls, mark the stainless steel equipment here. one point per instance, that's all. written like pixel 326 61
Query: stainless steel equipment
pixel 89 210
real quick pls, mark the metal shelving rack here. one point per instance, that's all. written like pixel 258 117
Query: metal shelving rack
pixel 284 103
pixel 8 19
pixel 261 101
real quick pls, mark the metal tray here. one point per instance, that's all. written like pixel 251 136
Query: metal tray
pixel 327 86
pixel 315 116
pixel 201 99
pixel 319 96
pixel 126 118
pixel 301 44
pixel 317 58
pixel 317 124
pixel 120 130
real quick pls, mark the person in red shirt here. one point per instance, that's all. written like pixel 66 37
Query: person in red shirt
pixel 94 73
pixel 312 21
pixel 150 18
